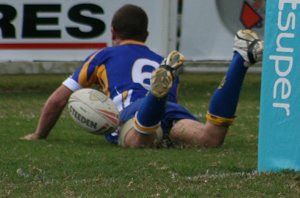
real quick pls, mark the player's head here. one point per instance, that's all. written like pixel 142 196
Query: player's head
pixel 130 22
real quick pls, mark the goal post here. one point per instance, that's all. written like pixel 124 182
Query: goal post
pixel 279 126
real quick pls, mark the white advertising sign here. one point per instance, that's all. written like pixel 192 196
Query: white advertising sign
pixel 69 30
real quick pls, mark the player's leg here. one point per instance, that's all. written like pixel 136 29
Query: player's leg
pixel 143 128
pixel 247 51
pixel 194 133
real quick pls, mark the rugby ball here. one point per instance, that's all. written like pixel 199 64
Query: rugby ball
pixel 93 111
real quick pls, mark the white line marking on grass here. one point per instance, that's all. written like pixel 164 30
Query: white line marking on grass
pixel 209 175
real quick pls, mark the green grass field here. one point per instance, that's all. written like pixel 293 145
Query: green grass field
pixel 73 163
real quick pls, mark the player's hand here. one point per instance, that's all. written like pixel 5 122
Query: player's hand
pixel 31 136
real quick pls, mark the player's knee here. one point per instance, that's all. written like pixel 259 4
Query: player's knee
pixel 129 137
pixel 134 139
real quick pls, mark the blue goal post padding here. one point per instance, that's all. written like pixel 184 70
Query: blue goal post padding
pixel 279 127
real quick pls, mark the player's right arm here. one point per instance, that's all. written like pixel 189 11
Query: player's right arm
pixel 50 113
pixel 84 76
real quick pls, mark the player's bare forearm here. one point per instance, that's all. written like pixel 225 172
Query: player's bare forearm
pixel 50 113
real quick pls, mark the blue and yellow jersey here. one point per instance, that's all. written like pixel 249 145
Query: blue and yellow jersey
pixel 122 72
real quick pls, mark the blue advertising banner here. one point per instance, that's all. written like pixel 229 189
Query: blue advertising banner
pixel 279 130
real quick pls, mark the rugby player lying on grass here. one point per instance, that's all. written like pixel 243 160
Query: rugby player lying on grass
pixel 147 104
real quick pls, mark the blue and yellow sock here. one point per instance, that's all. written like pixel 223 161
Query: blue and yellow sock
pixel 150 113
pixel 224 101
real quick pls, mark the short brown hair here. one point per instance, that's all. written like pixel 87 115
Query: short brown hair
pixel 130 22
